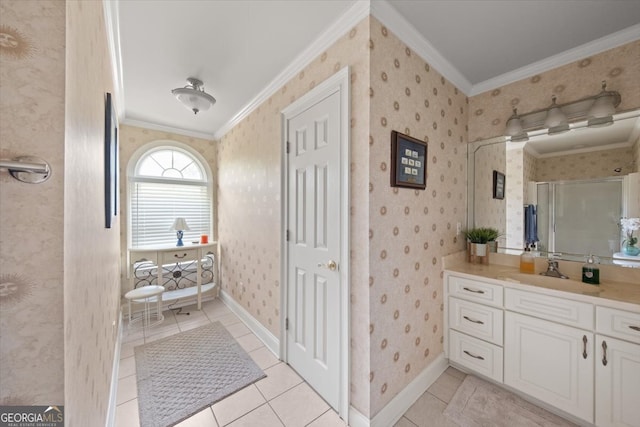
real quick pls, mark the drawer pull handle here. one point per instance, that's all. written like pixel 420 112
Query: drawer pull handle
pixel 604 353
pixel 584 346
pixel 474 321
pixel 635 328
pixel 473 355
pixel 180 257
pixel 473 290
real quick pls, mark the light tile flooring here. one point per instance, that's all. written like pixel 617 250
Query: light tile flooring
pixel 280 399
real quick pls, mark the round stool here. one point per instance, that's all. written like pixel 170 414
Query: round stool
pixel 146 295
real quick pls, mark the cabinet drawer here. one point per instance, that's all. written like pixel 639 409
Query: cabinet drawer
pixel 476 320
pixel 476 355
pixel 618 323
pixel 180 255
pixel 573 313
pixel 474 290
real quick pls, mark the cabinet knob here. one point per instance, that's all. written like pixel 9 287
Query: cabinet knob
pixel 584 346
pixel 604 353
pixel 475 291
pixel 635 328
pixel 179 257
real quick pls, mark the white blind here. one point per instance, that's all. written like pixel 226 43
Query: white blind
pixel 155 205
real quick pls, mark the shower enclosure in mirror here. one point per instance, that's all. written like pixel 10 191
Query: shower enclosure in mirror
pixel 581 183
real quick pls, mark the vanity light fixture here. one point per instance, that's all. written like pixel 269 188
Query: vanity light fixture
pixel 514 128
pixel 193 96
pixel 556 120
pixel 595 110
pixel 602 110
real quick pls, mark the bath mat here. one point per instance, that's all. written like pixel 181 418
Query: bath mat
pixel 479 403
pixel 180 375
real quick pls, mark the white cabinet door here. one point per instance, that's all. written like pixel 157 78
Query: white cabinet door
pixel 551 362
pixel 617 383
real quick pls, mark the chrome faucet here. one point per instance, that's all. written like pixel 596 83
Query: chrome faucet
pixel 552 270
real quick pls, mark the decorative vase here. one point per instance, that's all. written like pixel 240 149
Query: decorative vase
pixel 631 250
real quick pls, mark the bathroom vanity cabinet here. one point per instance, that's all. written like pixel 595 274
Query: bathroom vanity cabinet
pixel 572 350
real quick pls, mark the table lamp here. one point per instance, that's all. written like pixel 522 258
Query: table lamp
pixel 180 225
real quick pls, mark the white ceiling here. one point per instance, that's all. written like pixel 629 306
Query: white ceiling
pixel 242 49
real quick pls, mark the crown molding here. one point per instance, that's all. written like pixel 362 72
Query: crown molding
pixel 588 49
pixel 353 16
pixel 394 21
pixel 170 129
pixel 112 27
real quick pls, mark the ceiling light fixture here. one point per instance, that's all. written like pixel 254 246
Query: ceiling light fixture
pixel 595 110
pixel 193 96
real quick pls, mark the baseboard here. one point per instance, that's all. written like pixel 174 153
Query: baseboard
pixel 395 409
pixel 356 419
pixel 270 340
pixel 113 392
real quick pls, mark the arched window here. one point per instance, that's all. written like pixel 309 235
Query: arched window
pixel 168 182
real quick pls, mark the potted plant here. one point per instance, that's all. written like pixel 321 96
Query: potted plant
pixel 478 237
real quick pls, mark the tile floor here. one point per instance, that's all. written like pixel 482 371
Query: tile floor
pixel 280 399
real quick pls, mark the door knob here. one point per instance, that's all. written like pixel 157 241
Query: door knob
pixel 331 265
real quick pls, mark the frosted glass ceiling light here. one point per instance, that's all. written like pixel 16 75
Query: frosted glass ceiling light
pixel 556 120
pixel 602 110
pixel 193 96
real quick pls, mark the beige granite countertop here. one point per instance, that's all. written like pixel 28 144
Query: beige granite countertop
pixel 509 275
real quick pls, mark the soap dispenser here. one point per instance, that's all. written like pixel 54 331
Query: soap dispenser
pixel 590 271
pixel 527 261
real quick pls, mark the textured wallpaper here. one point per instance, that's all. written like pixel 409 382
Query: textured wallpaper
pixel 249 200
pixel 489 212
pixel 514 195
pixel 410 230
pixel 594 164
pixel 91 252
pixel 32 84
pixel 620 67
pixel 131 139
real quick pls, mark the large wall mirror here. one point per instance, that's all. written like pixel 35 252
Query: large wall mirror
pixel 580 184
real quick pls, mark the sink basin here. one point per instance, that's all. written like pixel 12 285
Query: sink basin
pixel 548 282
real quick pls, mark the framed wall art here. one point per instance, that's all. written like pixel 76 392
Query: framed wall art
pixel 498 185
pixel 408 161
pixel 111 166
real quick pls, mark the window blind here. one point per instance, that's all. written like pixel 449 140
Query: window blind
pixel 154 207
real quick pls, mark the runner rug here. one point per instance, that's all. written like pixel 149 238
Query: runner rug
pixel 180 375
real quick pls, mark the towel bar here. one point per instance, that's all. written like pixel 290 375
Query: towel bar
pixel 29 169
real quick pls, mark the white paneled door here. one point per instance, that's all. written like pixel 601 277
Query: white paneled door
pixel 314 249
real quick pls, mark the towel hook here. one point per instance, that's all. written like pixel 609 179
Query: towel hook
pixel 28 169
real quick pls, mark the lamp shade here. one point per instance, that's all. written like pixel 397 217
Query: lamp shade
pixel 193 96
pixel 180 224
pixel 555 116
pixel 514 124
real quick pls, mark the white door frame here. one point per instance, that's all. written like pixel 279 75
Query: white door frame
pixel 339 82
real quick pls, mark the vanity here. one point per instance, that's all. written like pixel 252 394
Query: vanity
pixel 560 343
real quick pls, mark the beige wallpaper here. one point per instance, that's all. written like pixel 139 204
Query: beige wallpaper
pixel 514 195
pixel 91 252
pixel 489 212
pixel 410 230
pixel 529 174
pixel 590 165
pixel 32 84
pixel 620 67
pixel 249 200
pixel 131 139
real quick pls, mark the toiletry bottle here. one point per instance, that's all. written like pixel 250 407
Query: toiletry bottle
pixel 591 272
pixel 527 262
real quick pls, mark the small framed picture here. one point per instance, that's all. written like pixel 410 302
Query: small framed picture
pixel 498 185
pixel 408 161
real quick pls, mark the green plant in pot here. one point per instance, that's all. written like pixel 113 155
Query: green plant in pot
pixel 480 236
